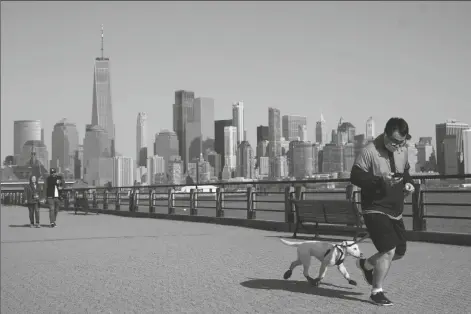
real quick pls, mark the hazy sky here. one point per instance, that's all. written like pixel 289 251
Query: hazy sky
pixel 349 59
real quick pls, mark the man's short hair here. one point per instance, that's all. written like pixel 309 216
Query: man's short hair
pixel 397 124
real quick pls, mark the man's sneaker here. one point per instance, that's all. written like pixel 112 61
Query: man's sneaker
pixel 31 225
pixel 53 225
pixel 38 226
pixel 380 299
pixel 367 274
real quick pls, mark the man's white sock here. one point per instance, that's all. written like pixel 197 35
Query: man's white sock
pixel 376 290
pixel 368 265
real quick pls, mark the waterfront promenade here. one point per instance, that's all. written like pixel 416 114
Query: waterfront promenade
pixel 111 264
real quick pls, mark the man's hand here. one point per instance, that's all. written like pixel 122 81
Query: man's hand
pixel 390 180
pixel 408 189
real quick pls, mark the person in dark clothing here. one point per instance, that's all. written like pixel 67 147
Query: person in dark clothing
pixel 31 199
pixel 382 172
pixel 53 194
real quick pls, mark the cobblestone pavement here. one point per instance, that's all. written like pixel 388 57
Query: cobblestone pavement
pixel 109 264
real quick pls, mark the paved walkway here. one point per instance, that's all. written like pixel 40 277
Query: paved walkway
pixel 110 264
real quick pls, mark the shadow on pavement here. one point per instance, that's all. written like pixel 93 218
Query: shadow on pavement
pixel 26 226
pixel 302 287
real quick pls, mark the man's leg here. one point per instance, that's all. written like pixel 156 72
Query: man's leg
pixel 52 216
pixel 31 217
pixel 36 213
pixel 384 238
pixel 56 208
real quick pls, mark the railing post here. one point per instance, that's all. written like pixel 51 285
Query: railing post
pixel 136 200
pixel 418 220
pixel 251 213
pixel 220 202
pixel 299 195
pixel 117 204
pixel 289 215
pixel 151 202
pixel 193 202
pixel 105 199
pixel 171 201
pixel 94 200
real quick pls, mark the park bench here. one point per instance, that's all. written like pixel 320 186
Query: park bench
pixel 328 212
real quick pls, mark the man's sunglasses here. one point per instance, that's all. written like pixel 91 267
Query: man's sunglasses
pixel 396 143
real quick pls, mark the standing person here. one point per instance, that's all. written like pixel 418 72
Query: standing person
pixel 382 172
pixel 53 196
pixel 31 199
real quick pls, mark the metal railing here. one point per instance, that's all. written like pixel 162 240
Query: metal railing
pixel 226 197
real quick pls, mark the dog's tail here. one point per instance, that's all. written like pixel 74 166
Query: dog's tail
pixel 290 243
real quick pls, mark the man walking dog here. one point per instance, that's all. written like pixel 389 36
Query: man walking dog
pixel 382 172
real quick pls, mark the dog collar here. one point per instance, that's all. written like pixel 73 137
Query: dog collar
pixel 341 256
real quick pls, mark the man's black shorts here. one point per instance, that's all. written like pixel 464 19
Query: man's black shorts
pixel 386 233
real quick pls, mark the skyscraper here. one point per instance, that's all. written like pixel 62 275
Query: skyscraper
pixel 450 127
pixel 102 109
pixel 141 140
pixel 303 133
pixel 182 108
pixel 424 152
pixel 65 141
pixel 290 126
pixel 238 120
pixel 156 170
pixel 262 133
pixel 166 145
pixel 300 159
pixel 219 126
pixel 274 135
pixel 321 131
pixel 230 146
pixel 23 131
pixel 370 128
pixel 199 129
pixel 123 171
pixel 245 160
pixel 96 145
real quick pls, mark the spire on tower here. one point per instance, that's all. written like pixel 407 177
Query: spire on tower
pixel 101 41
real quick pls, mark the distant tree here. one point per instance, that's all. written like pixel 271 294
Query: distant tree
pixel 189 180
pixel 8 160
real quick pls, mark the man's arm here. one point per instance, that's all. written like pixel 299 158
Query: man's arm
pixel 407 176
pixel 361 175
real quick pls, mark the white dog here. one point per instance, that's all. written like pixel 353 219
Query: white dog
pixel 328 253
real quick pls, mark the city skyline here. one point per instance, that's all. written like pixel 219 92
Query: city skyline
pixel 419 76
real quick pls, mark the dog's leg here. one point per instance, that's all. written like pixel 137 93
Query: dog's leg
pixel 306 260
pixel 289 272
pixel 343 270
pixel 322 272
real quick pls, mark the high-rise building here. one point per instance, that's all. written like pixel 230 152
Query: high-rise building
pixel 100 171
pixel 199 129
pixel 182 109
pixel 334 137
pixel 412 158
pixel 321 131
pixel 300 159
pixel 245 161
pixel 345 133
pixel 36 148
pixel 23 131
pixel 65 142
pixel 303 133
pixel 219 126
pixel 424 152
pixel 102 108
pixel 96 144
pixel 156 170
pixel 175 170
pixel 348 156
pixel 262 133
pixel 370 128
pixel 166 144
pixel 78 162
pixel 467 151
pixel 230 147
pixel 123 171
pixel 359 142
pixel 262 150
pixel 214 160
pixel 141 140
pixel 332 158
pixel 290 126
pixel 274 135
pixel 238 120
pixel 450 155
pixel 450 127
pixel 316 158
pixel 264 166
